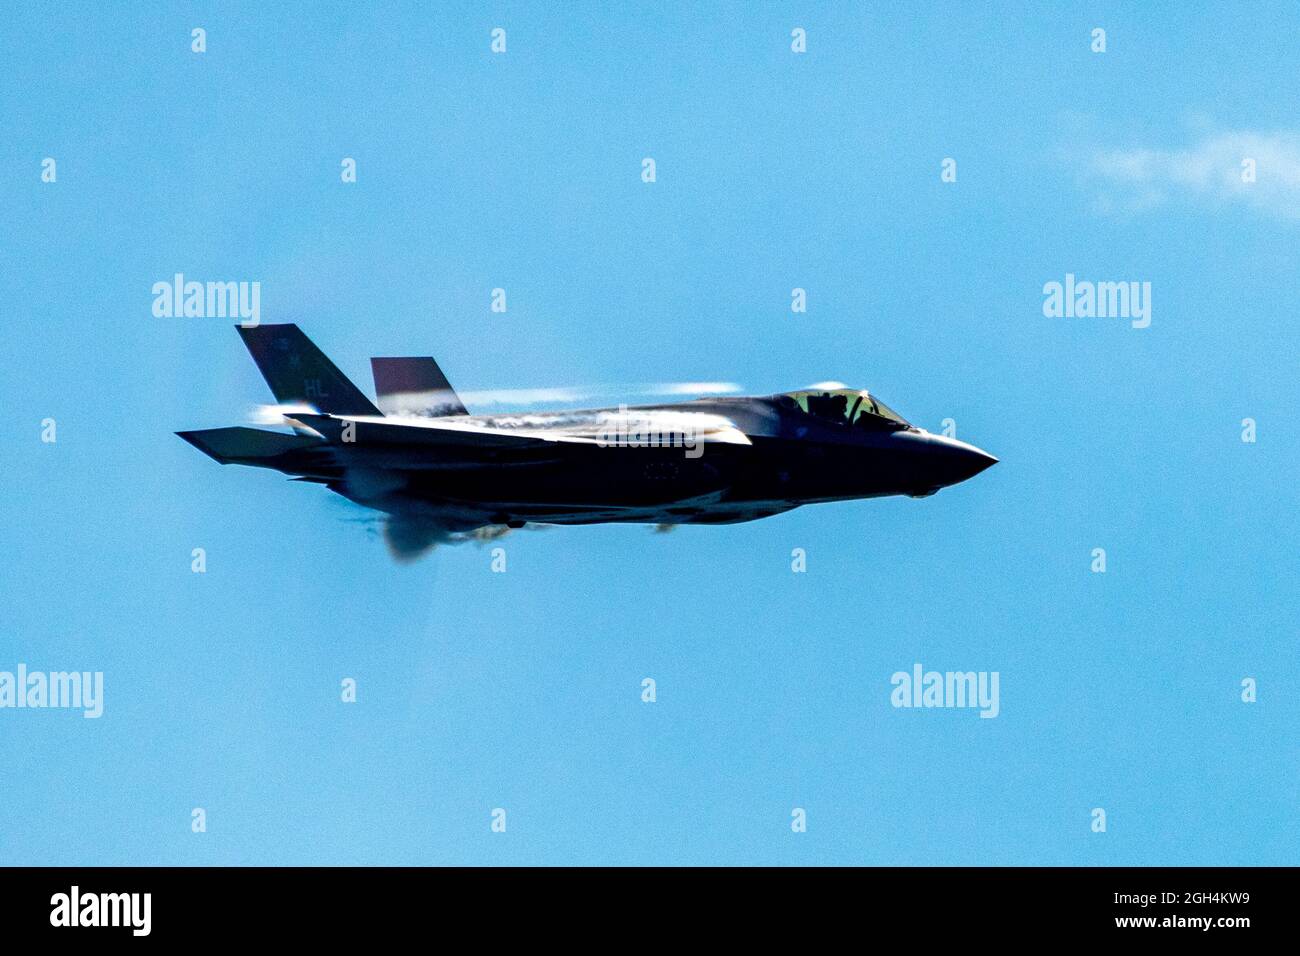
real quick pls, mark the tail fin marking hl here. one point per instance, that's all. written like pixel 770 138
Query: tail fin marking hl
pixel 298 372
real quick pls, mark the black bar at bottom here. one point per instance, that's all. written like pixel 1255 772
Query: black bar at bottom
pixel 334 905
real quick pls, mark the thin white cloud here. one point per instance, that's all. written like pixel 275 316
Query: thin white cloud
pixel 1211 171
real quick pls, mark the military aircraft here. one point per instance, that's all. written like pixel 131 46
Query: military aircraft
pixel 437 471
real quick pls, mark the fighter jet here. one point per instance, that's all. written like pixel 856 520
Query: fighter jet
pixel 437 471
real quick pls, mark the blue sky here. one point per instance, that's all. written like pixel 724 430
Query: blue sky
pixel 775 170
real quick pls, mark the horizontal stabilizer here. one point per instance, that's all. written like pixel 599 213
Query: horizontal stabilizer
pixel 246 446
pixel 414 386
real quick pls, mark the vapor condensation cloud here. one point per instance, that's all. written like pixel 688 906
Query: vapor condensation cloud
pixel 1254 169
pixel 582 393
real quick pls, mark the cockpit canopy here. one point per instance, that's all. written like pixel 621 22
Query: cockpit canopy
pixel 848 406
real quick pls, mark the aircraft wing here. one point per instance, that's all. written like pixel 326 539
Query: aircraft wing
pixel 458 432
pixel 431 433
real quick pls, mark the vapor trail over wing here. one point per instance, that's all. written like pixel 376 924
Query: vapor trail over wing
pixel 583 393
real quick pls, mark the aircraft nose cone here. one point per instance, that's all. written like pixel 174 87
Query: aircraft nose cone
pixel 968 461
pixel 943 461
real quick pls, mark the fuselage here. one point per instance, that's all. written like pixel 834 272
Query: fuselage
pixel 437 470
pixel 715 460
